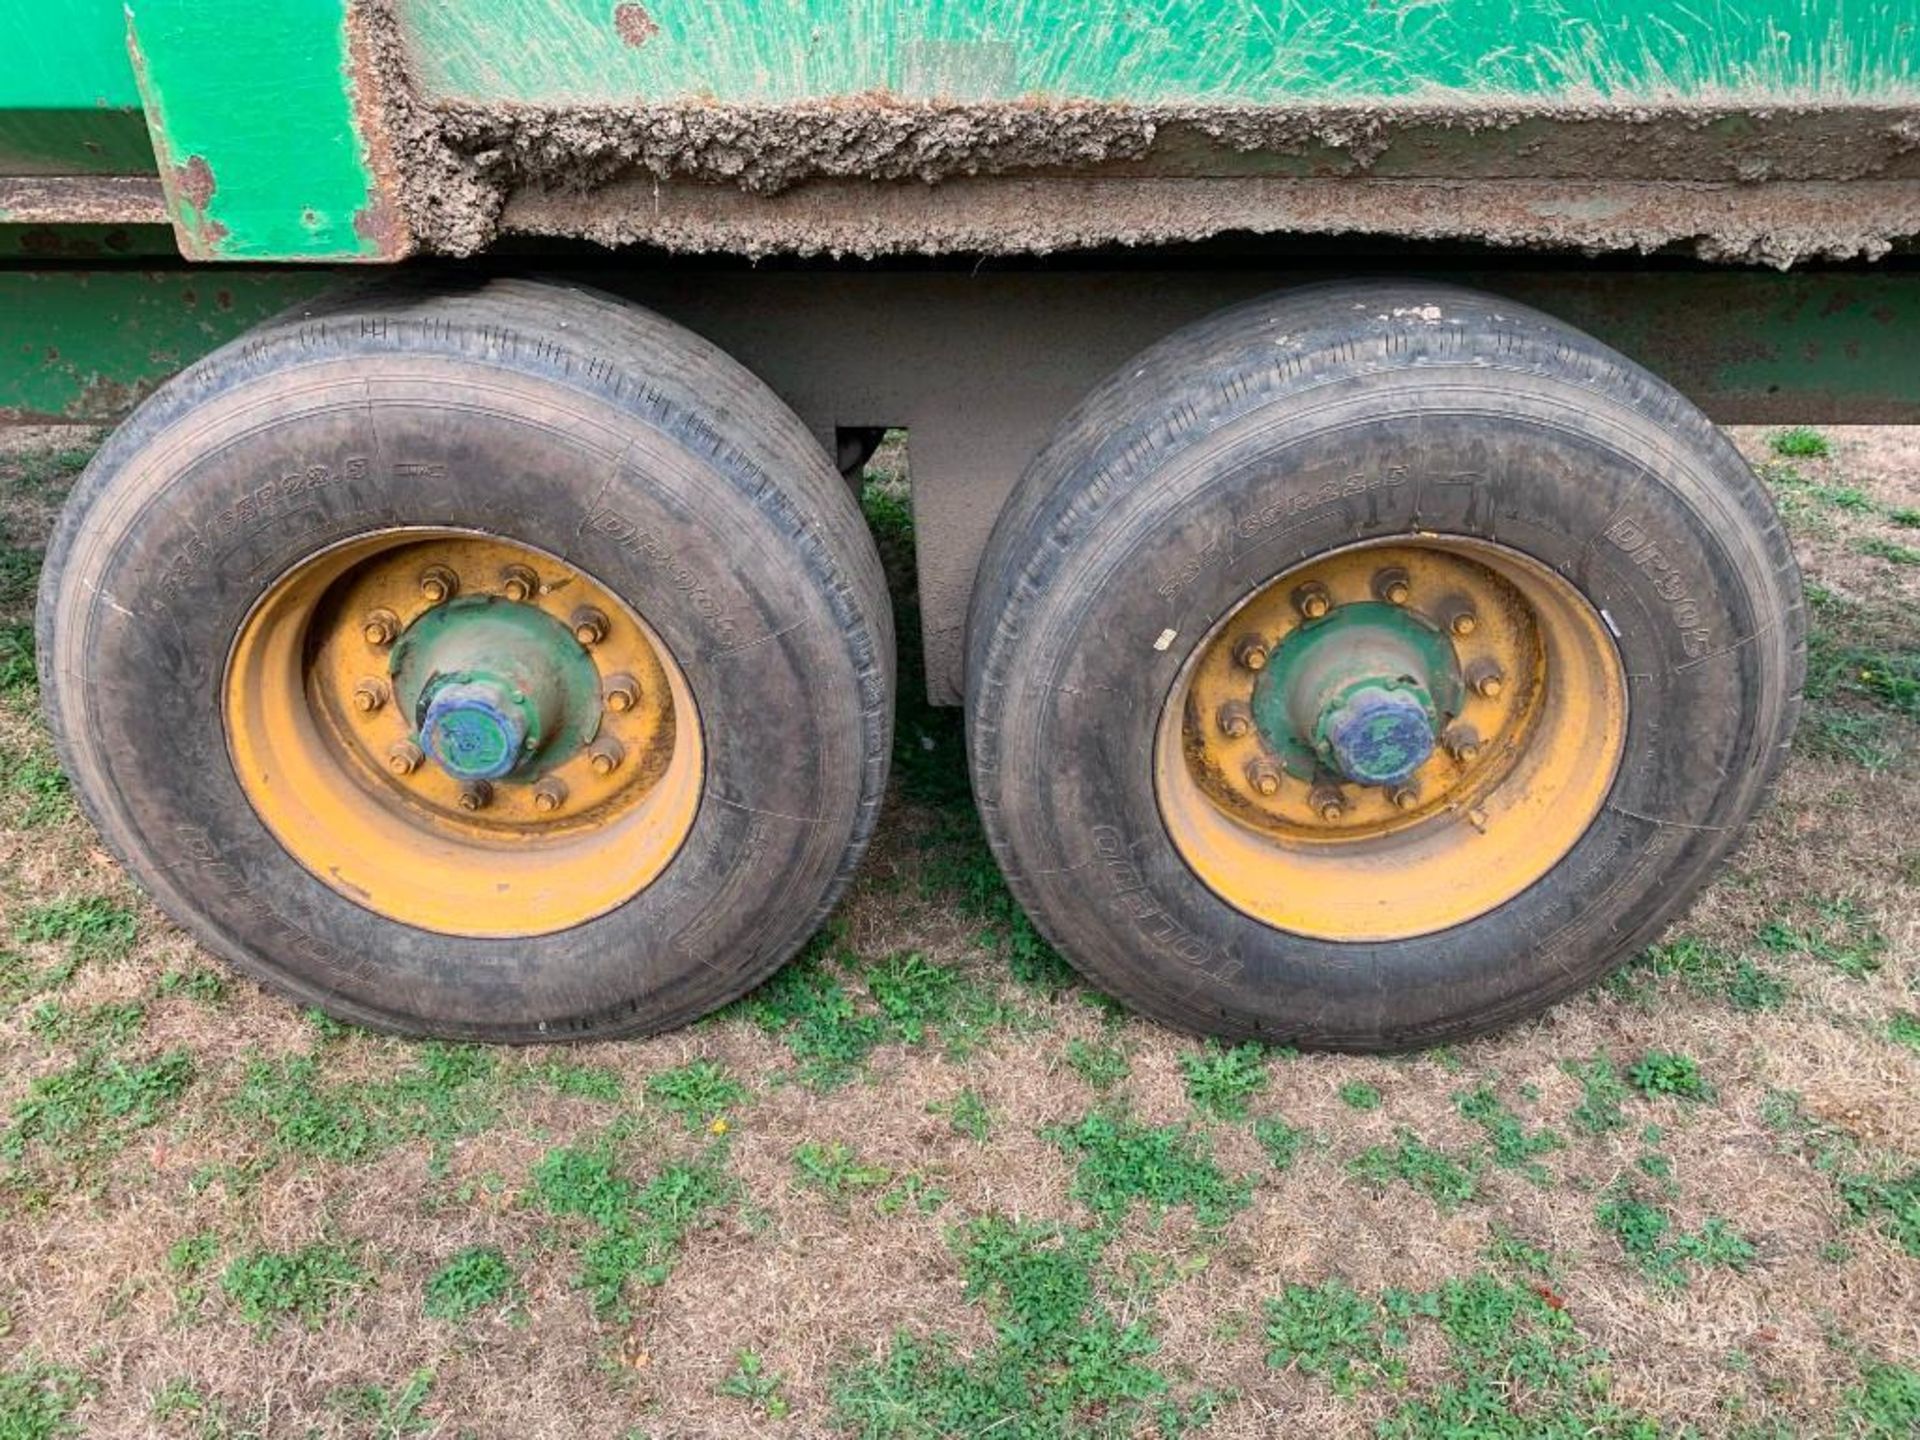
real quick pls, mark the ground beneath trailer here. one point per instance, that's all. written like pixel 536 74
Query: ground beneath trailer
pixel 926 1183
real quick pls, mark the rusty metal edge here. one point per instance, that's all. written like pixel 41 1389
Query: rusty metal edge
pixel 82 200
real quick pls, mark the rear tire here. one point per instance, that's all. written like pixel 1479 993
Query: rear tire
pixel 1276 435
pixel 632 455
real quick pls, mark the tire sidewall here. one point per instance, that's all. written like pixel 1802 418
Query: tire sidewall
pixel 211 506
pixel 1637 520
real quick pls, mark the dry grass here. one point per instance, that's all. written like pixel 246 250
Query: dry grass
pixel 813 1279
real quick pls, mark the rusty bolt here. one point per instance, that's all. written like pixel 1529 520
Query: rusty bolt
pixel 1486 680
pixel 549 795
pixel 1327 802
pixel 519 584
pixel 438 583
pixel 1263 777
pixel 1392 586
pixel 404 758
pixel 1250 652
pixel 589 625
pixel 605 755
pixel 1405 797
pixel 1463 744
pixel 622 692
pixel 380 629
pixel 1235 720
pixel 476 795
pixel 1312 601
pixel 370 695
pixel 1463 623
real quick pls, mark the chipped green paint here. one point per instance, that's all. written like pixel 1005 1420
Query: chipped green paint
pixel 80 345
pixel 1161 52
pixel 261 148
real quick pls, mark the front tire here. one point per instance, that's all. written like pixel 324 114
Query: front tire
pixel 502 665
pixel 1383 458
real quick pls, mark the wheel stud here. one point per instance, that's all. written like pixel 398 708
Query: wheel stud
pixel 1463 623
pixel 1392 586
pixel 1405 797
pixel 589 625
pixel 476 795
pixel 1486 680
pixel 369 696
pixel 1463 744
pixel 404 758
pixel 1312 601
pixel 1327 802
pixel 1263 776
pixel 1236 720
pixel 1250 653
pixel 622 692
pixel 549 795
pixel 519 584
pixel 380 629
pixel 605 755
pixel 438 583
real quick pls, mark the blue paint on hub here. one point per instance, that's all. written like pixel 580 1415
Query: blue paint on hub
pixel 475 730
pixel 1379 735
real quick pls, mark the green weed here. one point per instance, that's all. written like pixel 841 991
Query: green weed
pixel 582 1082
pixel 1802 442
pixel 636 1229
pixel 1447 1180
pixel 1885 1405
pixel 477 1277
pixel 19 578
pixel 1359 1095
pixel 1281 1141
pixel 758 1386
pixel 1903 1028
pixel 201 983
pixel 967 1114
pixel 1060 1363
pixel 810 1010
pixel 94 928
pixel 1221 1080
pixel 1122 1160
pixel 1881 548
pixel 448 1091
pixel 1601 1095
pixel 17 673
pixel 96 1105
pixel 835 1171
pixel 1706 970
pixel 37 1400
pixel 1646 1233
pixel 1328 1330
pixel 1838 933
pixel 1514 1147
pixel 1100 1063
pixel 1660 1072
pixel 269 1285
pixel 388 1414
pixel 699 1092
pixel 35 776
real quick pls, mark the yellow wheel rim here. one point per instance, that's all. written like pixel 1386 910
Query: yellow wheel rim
pixel 1258 748
pixel 324 699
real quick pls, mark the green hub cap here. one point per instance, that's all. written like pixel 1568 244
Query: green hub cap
pixel 495 689
pixel 1362 693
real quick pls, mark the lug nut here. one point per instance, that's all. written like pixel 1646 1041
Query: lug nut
pixel 519 584
pixel 1405 797
pixel 1462 743
pixel 476 795
pixel 369 696
pixel 1312 601
pixel 405 757
pixel 1263 777
pixel 1327 802
pixel 1392 586
pixel 589 625
pixel 1463 623
pixel 1235 720
pixel 549 795
pixel 605 755
pixel 622 692
pixel 380 629
pixel 438 583
pixel 1487 681
pixel 1250 653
